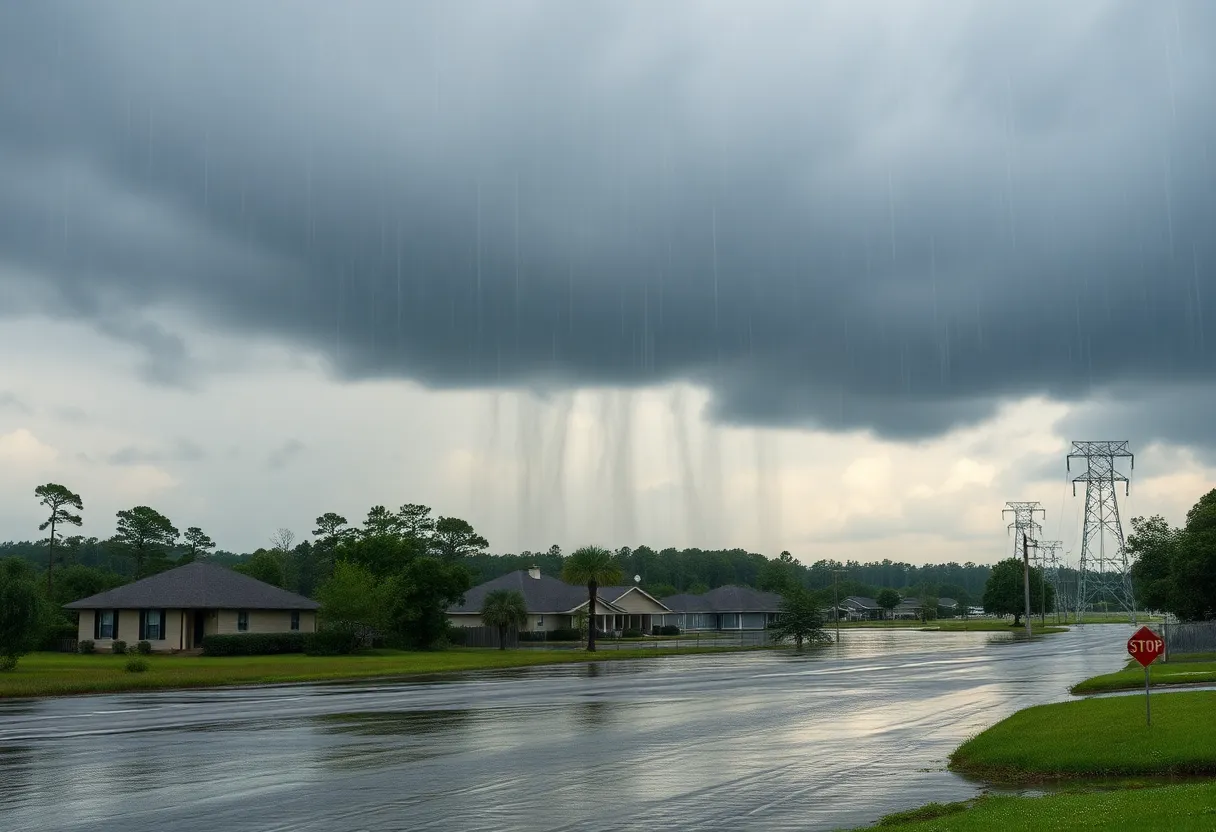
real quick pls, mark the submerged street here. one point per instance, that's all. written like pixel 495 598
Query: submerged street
pixel 757 741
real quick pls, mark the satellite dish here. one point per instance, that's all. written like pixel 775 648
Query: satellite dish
pixel 637 579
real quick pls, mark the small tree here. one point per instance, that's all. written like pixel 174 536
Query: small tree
pixel 593 567
pixel 145 534
pixel 1005 592
pixel 888 599
pixel 800 619
pixel 263 566
pixel 21 612
pixel 198 544
pixel 58 499
pixel 505 609
pixel 352 600
pixel 455 538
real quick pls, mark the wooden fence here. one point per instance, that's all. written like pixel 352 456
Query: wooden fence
pixel 488 637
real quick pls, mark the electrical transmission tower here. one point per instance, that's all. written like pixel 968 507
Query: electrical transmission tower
pixel 1104 573
pixel 1049 551
pixel 1023 525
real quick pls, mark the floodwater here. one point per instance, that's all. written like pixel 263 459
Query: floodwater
pixel 834 737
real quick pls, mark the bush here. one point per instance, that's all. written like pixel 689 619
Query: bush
pixel 118 648
pixel 669 630
pixel 136 664
pixel 144 648
pixel 8 662
pixel 255 644
pixel 631 633
pixel 457 636
pixel 330 643
pixel 533 635
pixel 86 646
pixel 565 634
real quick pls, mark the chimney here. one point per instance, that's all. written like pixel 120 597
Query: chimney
pixel 534 573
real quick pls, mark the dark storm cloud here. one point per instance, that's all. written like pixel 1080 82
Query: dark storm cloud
pixel 890 216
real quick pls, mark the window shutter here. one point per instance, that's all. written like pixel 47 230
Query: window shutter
pixel 164 625
pixel 114 634
pixel 97 624
pixel 143 623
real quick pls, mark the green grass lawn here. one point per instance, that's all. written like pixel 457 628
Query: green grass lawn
pixel 1174 672
pixel 1187 807
pixel 53 674
pixel 1103 737
pixel 952 625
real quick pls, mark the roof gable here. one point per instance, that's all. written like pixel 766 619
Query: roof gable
pixel 726 599
pixel 198 585
pixel 544 594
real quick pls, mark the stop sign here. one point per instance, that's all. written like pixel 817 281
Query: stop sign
pixel 1145 646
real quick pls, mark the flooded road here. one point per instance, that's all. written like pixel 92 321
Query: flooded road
pixel 754 741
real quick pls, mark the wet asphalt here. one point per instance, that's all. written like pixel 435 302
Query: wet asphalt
pixel 834 737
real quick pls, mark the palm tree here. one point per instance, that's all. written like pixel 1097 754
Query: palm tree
pixel 593 566
pixel 504 609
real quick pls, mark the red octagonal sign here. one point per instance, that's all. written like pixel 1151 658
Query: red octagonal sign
pixel 1145 646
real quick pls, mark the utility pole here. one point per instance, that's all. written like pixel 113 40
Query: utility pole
pixel 1026 577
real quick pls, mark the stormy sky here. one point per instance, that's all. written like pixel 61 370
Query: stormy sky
pixel 686 273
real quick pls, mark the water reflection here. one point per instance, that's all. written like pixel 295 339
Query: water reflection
pixel 16 773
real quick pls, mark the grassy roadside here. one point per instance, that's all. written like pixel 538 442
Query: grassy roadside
pixel 1160 673
pixel 1179 808
pixel 58 674
pixel 1087 738
pixel 951 625
pixel 1097 738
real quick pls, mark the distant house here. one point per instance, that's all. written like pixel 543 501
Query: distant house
pixel 860 608
pixel 724 608
pixel 555 605
pixel 908 608
pixel 948 607
pixel 174 610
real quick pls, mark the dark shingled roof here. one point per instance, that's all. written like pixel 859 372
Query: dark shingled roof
pixel 543 594
pixel 197 585
pixel 726 599
pixel 862 601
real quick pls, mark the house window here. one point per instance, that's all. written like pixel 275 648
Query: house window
pixel 540 621
pixel 105 627
pixel 295 619
pixel 242 621
pixel 154 625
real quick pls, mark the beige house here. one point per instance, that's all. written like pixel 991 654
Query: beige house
pixel 175 609
pixel 556 605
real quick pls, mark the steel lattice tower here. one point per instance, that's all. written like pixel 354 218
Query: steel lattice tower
pixel 1050 561
pixel 1104 573
pixel 1023 521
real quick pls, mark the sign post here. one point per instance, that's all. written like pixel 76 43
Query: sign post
pixel 1145 646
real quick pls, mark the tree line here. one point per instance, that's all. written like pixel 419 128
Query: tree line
pixel 1175 568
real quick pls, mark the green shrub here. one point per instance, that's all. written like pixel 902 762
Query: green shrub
pixel 144 648
pixel 118 648
pixel 331 643
pixel 669 630
pixel 8 662
pixel 565 634
pixel 631 633
pixel 458 636
pixel 254 644
pixel 86 646
pixel 136 664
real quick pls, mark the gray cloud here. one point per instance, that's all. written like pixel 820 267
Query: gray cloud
pixel 891 216
pixel 283 455
pixel 182 450
pixel 10 401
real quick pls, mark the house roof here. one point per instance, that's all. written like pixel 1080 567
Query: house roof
pixel 861 601
pixel 616 593
pixel 543 594
pixel 947 602
pixel 726 599
pixel 909 604
pixel 198 585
